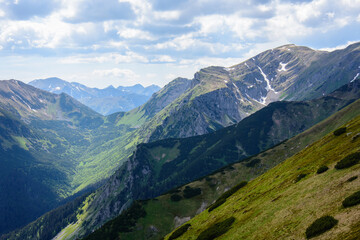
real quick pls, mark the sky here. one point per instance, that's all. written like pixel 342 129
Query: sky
pixel 124 42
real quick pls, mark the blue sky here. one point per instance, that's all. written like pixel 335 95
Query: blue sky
pixel 124 42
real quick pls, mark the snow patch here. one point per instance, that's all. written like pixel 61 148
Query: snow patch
pixel 25 103
pixel 238 92
pixel 249 67
pixel 251 86
pixel 57 88
pixel 268 86
pixel 225 81
pixel 229 69
pixel 261 101
pixel 283 67
pixel 355 77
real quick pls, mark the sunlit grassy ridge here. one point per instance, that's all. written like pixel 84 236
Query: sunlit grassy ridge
pixel 163 215
pixel 275 206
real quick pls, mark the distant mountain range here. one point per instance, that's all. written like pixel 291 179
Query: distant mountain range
pixel 105 101
pixel 185 130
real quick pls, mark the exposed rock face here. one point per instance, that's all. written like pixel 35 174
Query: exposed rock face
pixel 218 97
pixel 180 221
pixel 166 96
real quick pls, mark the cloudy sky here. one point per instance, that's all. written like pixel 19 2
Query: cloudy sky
pixel 124 42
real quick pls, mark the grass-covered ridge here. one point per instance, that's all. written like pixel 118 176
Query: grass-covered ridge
pixel 273 206
pixel 164 214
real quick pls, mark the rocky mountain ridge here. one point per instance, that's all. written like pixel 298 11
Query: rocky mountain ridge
pixel 215 98
pixel 158 166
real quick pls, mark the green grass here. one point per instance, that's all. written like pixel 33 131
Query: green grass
pixel 274 207
pixel 162 212
pixel 21 141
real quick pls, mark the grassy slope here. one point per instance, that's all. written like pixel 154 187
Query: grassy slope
pixel 273 206
pixel 161 212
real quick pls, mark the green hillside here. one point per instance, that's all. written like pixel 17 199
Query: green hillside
pixel 156 167
pixel 42 136
pixel 164 213
pixel 283 202
pixel 83 149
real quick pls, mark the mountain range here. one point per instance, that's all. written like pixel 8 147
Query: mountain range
pixel 170 210
pixel 104 101
pixel 185 131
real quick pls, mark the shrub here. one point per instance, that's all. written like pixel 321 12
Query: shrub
pixel 300 176
pixel 180 231
pixel 322 169
pixel 320 226
pixel 175 197
pixel 216 204
pixel 352 200
pixel 352 179
pixel 216 229
pixel 349 161
pixel 339 131
pixel 175 190
pixel 191 192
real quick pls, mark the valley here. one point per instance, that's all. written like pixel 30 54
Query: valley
pixel 238 122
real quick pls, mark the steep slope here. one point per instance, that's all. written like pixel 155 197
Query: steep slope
pixel 42 138
pixel 331 71
pixel 218 97
pixel 156 167
pixel 115 151
pixel 105 101
pixel 157 102
pixel 169 211
pixel 32 181
pixel 28 103
pixel 282 205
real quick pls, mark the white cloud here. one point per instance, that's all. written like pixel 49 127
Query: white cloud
pixel 342 46
pixel 205 32
pixel 134 33
pixel 163 58
pixel 167 15
pixel 205 62
pixel 128 57
pixel 170 77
